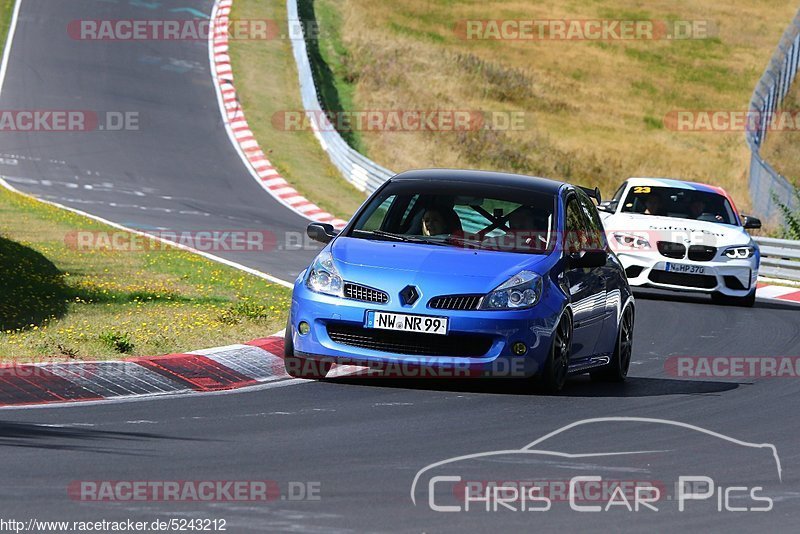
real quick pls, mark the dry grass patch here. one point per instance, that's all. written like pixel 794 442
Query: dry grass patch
pixel 595 109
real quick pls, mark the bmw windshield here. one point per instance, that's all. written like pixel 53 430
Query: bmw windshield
pixel 679 203
pixel 467 215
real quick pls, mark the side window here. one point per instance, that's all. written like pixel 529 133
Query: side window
pixel 575 227
pixel 405 220
pixel 595 236
pixel 617 198
pixel 376 218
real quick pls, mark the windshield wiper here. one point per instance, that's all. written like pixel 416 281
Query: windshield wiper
pixel 401 237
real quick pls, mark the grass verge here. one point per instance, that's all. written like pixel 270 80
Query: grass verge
pixel 595 110
pixel 62 302
pixel 331 63
pixel 266 82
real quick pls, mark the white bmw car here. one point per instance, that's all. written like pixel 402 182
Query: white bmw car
pixel 684 236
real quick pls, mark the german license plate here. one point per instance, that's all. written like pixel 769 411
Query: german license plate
pixel 683 268
pixel 406 323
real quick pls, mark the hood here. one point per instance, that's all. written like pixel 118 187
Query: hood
pixel 678 230
pixel 450 269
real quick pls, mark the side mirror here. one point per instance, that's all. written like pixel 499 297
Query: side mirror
pixel 606 206
pixel 588 259
pixel 322 232
pixel 750 222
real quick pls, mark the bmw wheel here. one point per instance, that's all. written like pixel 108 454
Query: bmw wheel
pixel 747 301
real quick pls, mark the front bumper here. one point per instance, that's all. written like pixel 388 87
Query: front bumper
pixel 735 278
pixel 500 329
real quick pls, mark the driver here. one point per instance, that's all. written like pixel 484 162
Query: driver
pixel 697 208
pixel 438 221
pixel 652 204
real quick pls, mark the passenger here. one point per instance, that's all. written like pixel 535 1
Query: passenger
pixel 525 227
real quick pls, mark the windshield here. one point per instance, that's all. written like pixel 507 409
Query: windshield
pixel 679 203
pixel 460 215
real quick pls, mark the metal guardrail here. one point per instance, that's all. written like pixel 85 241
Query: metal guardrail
pixel 780 258
pixel 363 173
pixel 772 88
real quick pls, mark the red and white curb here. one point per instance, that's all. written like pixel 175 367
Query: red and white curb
pixel 222 368
pixel 239 131
pixel 784 293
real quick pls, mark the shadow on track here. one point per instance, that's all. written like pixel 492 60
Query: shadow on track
pixel 578 386
pixel 76 439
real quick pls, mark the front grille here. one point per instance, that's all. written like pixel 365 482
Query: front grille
pixel 456 302
pixel 702 253
pixel 364 293
pixel 459 345
pixel 700 281
pixel 672 250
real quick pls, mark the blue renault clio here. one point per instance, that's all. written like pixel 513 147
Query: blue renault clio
pixel 465 273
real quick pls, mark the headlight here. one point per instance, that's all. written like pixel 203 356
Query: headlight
pixel 631 240
pixel 323 277
pixel 522 290
pixel 740 253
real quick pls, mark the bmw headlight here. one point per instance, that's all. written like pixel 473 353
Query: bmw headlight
pixel 740 253
pixel 522 290
pixel 631 240
pixel 323 276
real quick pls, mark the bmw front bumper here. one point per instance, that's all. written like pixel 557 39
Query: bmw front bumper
pixel 735 278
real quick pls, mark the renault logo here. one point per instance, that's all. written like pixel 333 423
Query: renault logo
pixel 409 294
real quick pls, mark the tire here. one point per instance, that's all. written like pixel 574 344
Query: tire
pixel 748 301
pixel 554 374
pixel 298 367
pixel 617 368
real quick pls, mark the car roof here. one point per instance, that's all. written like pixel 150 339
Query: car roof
pixel 501 179
pixel 680 184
